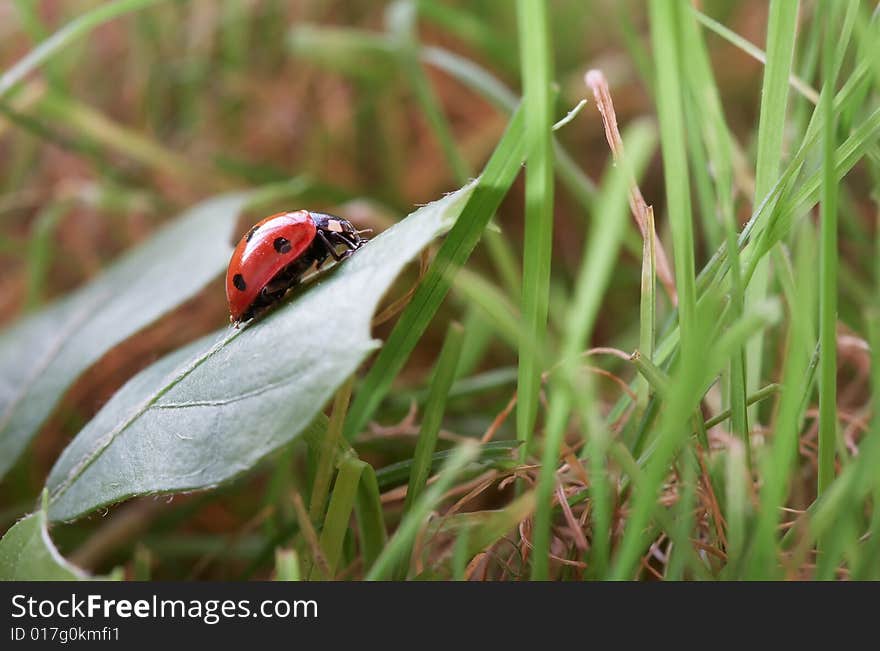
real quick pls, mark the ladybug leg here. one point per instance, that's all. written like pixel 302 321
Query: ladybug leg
pixel 350 244
pixel 329 247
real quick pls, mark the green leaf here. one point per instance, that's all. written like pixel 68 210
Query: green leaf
pixel 212 410
pixel 27 554
pixel 42 355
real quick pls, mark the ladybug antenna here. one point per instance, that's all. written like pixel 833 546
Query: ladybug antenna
pixel 364 230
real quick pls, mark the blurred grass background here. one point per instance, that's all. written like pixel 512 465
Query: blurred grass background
pixel 345 104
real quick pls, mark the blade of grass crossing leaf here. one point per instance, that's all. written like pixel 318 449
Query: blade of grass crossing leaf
pixel 579 185
pixel 484 199
pixel 77 28
pixel 781 30
pixel 828 266
pixel 537 76
pixel 399 544
pixel 157 421
pixel 632 39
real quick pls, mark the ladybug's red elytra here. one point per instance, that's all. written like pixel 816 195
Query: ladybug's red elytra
pixel 275 253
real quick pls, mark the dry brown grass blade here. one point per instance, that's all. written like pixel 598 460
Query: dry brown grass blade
pixel 580 540
pixel 597 82
pixel 310 535
pixel 499 420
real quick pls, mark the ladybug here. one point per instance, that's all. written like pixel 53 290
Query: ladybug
pixel 275 253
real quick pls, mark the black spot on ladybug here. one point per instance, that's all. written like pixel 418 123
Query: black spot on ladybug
pixel 250 234
pixel 281 244
pixel 238 281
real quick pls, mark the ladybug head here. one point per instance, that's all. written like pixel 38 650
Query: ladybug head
pixel 339 231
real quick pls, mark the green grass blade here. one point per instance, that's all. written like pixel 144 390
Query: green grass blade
pixel 444 374
pixel 828 265
pixel 719 143
pixel 401 18
pixel 370 518
pixel 487 194
pixel 781 31
pixel 664 32
pixel 327 454
pixel 683 395
pixel 399 544
pixel 491 454
pixel 755 52
pixel 336 524
pixel 29 17
pixel 41 248
pixel 493 305
pixel 779 463
pixel 98 128
pixel 537 73
pixel 75 29
pixel 287 565
pixel 478 337
pixel 647 304
pixel 602 247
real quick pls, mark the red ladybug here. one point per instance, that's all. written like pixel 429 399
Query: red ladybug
pixel 275 253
